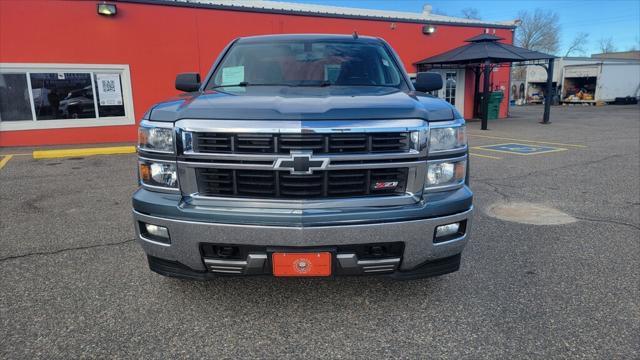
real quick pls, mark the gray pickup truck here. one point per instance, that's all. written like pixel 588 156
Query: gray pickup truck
pixel 303 155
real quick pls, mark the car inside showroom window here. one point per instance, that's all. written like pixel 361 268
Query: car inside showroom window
pixel 62 95
pixel 37 96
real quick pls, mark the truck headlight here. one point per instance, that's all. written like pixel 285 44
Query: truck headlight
pixel 444 174
pixel 160 174
pixel 155 139
pixel 447 138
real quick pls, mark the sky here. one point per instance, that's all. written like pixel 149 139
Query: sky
pixel 618 19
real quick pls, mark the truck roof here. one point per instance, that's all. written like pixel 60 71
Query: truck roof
pixel 307 37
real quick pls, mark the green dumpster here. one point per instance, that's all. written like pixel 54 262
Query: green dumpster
pixel 495 98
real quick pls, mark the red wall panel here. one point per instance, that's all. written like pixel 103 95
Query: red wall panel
pixel 158 41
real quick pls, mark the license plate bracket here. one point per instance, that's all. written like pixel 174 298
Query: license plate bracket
pixel 302 264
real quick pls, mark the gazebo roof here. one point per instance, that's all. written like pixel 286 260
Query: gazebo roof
pixel 485 47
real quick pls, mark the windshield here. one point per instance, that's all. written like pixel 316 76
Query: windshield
pixel 307 63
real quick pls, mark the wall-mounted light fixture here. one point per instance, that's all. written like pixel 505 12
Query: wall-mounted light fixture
pixel 105 9
pixel 428 29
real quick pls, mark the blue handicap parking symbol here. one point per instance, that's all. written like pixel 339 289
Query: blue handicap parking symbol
pixel 520 149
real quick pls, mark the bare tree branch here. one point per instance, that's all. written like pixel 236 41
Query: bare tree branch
pixel 439 11
pixel 578 44
pixel 471 13
pixel 606 45
pixel 636 45
pixel 538 31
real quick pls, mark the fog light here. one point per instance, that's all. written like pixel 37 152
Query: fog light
pixel 157 231
pixel 447 230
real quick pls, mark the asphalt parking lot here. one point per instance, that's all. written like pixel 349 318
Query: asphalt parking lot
pixel 75 284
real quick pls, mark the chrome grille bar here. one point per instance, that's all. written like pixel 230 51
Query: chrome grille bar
pixel 264 146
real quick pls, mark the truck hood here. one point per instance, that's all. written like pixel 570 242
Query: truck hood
pixel 303 103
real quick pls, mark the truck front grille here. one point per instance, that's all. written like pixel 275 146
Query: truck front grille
pixel 334 163
pixel 337 143
pixel 282 184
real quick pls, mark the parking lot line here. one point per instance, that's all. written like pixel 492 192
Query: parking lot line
pixel 523 140
pixel 485 156
pixel 113 150
pixel 506 151
pixel 5 160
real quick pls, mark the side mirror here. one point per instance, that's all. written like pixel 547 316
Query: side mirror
pixel 427 81
pixel 188 82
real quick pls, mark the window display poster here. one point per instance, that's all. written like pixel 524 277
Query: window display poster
pixel 109 91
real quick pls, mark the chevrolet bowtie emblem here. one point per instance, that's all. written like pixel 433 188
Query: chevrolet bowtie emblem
pixel 301 163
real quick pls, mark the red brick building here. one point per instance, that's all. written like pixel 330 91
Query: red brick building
pixel 54 54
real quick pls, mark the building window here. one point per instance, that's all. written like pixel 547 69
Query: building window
pixel 43 96
pixel 62 96
pixel 450 87
pixel 14 97
pixel 109 96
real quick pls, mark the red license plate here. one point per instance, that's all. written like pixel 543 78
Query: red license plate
pixel 301 264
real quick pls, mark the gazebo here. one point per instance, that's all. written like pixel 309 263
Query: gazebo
pixel 484 52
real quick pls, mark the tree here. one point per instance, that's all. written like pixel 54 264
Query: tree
pixel 578 44
pixel 636 45
pixel 471 13
pixel 538 31
pixel 438 11
pixel 606 45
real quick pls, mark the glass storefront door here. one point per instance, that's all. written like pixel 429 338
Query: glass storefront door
pixel 452 87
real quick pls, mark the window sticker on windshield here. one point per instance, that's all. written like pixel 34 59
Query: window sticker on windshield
pixel 235 89
pixel 331 72
pixel 385 62
pixel 232 75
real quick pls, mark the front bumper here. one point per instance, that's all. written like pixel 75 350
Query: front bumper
pixel 428 269
pixel 183 256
